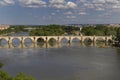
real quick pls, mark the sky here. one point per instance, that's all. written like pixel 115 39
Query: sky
pixel 40 12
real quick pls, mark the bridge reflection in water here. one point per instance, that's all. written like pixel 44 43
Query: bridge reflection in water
pixel 53 45
pixel 52 41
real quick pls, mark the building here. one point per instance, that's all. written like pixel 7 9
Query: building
pixel 114 25
pixel 3 27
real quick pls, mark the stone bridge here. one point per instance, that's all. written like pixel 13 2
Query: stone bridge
pixel 58 39
pixel 46 39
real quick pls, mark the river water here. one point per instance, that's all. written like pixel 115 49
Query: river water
pixel 64 63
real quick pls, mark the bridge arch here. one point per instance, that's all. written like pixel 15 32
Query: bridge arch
pixel 3 42
pixel 109 39
pixel 27 38
pixel 41 40
pixel 5 38
pixel 11 38
pixel 52 37
pixel 64 41
pixel 100 39
pixel 61 38
pixel 76 37
pixel 16 42
pixel 87 38
pixel 28 42
pixel 76 40
pixel 40 37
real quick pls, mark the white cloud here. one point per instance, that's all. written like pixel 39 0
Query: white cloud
pixel 57 1
pixel 100 9
pixel 99 1
pixel 77 7
pixel 112 1
pixel 105 14
pixel 33 3
pixel 89 5
pixel 116 6
pixel 62 4
pixel 71 5
pixel 53 13
pixel 58 6
pixel 99 5
pixel 70 17
pixel 7 2
pixel 82 13
pixel 83 1
pixel 68 13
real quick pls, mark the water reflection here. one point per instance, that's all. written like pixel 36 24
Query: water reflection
pixel 89 43
pixel 64 42
pixel 52 43
pixel 30 44
pixel 75 40
pixel 3 42
pixel 16 42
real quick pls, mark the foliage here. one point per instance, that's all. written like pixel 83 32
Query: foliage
pixel 52 30
pixel 14 29
pixel 18 29
pixel 70 29
pixel 22 76
pixel 88 31
pixel 5 31
pixel 99 30
pixel 118 35
pixel 5 76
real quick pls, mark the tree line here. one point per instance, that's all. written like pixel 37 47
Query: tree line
pixel 53 30
pixel 101 30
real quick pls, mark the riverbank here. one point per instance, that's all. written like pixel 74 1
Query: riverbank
pixel 7 34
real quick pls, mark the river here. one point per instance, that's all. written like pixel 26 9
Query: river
pixel 73 62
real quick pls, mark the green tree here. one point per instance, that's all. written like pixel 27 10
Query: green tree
pixel 22 76
pixel 51 30
pixel 118 34
pixel 89 31
pixel 4 76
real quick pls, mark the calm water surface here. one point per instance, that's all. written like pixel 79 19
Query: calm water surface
pixel 65 63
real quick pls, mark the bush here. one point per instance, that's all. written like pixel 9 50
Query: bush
pixel 5 76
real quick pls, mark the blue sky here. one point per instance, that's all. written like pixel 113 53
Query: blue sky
pixel 39 12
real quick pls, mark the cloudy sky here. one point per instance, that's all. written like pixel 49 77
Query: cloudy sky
pixel 59 11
